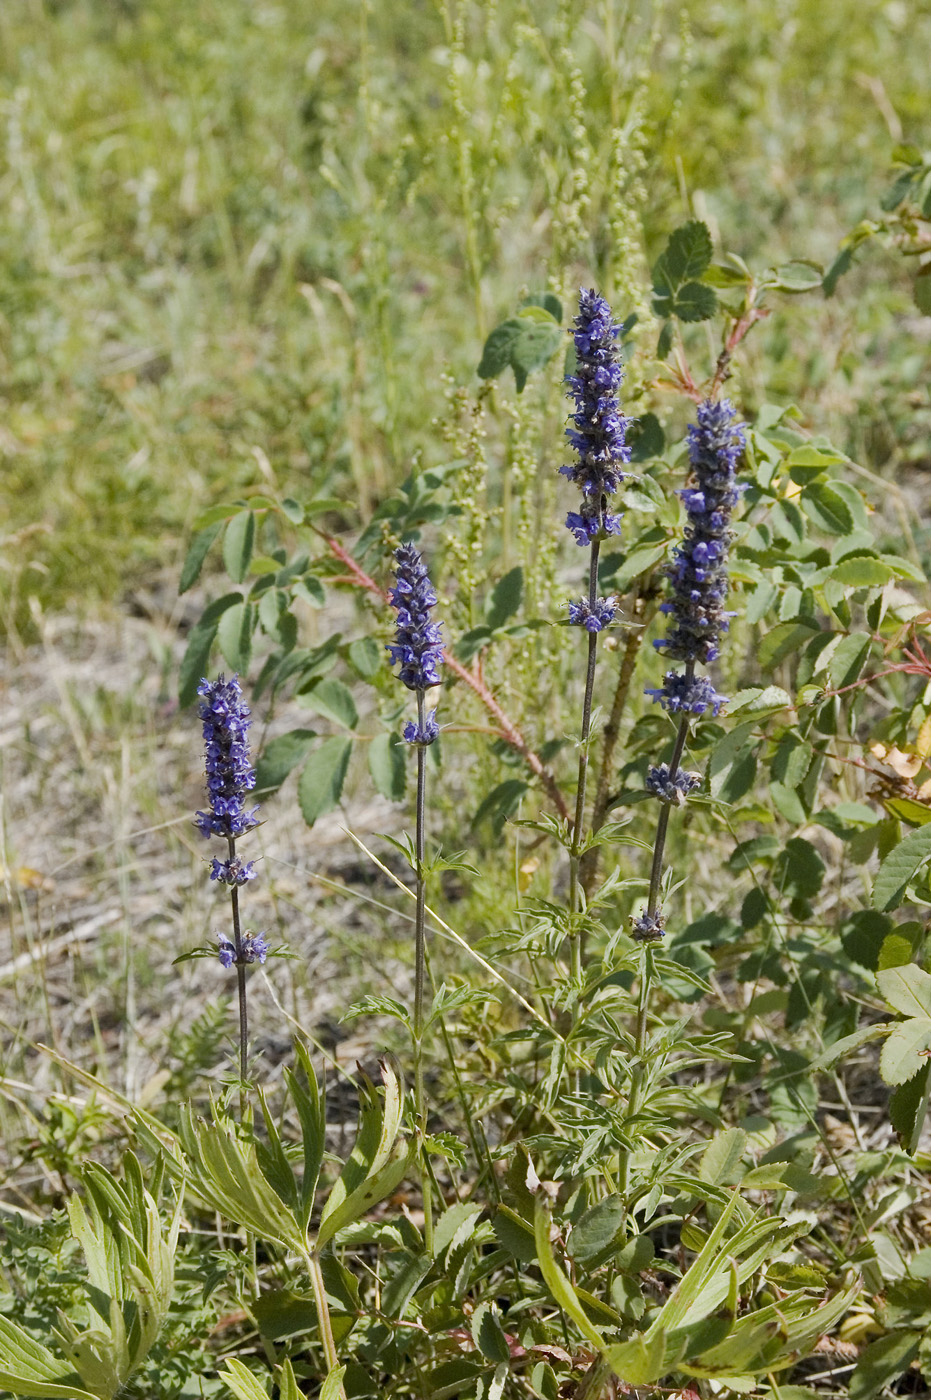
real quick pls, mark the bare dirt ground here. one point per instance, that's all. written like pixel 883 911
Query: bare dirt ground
pixel 104 880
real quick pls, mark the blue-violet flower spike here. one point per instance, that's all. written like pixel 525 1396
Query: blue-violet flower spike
pixel 418 645
pixel 230 775
pixel 597 427
pixel 698 569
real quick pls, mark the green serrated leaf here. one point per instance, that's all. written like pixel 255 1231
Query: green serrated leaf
pixel 197 552
pixel 366 657
pixel 829 511
pixel 695 302
pixel 597 1228
pixel 332 699
pixel 388 765
pixel 488 1334
pixel 905 1051
pixel 505 599
pixel 901 864
pixel 238 545
pixel 496 355
pixel 907 989
pixel 196 659
pixel 721 1158
pixel 321 782
pixel 923 290
pixel 862 572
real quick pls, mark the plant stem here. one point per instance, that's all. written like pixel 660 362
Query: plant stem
pixel 646 971
pixel 579 818
pixel 420 978
pixel 323 1315
pixel 642 612
pixel 240 981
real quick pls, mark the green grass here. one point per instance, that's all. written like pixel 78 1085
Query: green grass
pixel 239 240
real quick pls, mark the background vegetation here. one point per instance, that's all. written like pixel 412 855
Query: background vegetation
pixel 257 250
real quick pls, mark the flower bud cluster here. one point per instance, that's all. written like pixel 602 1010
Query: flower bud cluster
pixel 672 788
pixel 254 949
pixel 593 619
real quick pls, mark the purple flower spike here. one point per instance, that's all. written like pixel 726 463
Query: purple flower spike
pixel 597 427
pixel 230 775
pixel 418 645
pixel 593 619
pixel 698 569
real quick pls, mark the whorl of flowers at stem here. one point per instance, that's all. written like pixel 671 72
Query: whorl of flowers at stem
pixel 230 775
pixel 254 949
pixel 597 427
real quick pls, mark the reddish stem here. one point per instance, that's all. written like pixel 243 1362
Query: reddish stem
pixel 507 729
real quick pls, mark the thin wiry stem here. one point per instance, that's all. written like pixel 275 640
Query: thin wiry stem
pixel 420 978
pixel 240 978
pixel 575 853
pixel 646 970
pixel 323 1316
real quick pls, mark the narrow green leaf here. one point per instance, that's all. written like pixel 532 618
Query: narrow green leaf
pixel 242 1382
pixel 238 545
pixel 556 1281
pixel 196 659
pixel 908 1108
pixel 197 552
pixel 321 782
pixel 333 1384
pixel 900 865
pixel 235 637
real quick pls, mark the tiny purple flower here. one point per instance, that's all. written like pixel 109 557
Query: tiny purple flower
pixel 593 619
pixel 254 949
pixel 668 789
pixel 232 872
pixel 648 927
pixel 422 734
pixel 698 569
pixel 681 695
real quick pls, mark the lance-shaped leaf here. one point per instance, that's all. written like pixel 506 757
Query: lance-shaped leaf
pixel 225 1170
pixel 556 1280
pixel 371 1171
